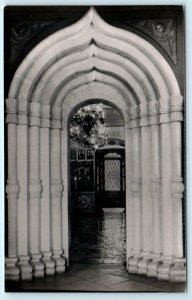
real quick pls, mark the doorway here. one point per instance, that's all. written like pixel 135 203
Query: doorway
pixel 97 201
pixel 110 177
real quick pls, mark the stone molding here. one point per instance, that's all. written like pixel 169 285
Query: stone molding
pixel 35 188
pixel 134 117
pixel 11 110
pixel 59 260
pixel 156 188
pixel 136 186
pixel 176 103
pixel 12 188
pixel 23 108
pixel 12 271
pixel 153 113
pixel 164 111
pixel 35 114
pixel 45 116
pixel 56 117
pixel 144 121
pixel 57 187
pixel 177 188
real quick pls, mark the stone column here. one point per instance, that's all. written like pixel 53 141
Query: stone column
pixel 45 159
pixel 35 190
pixel 56 190
pixel 155 191
pixel 178 271
pixel 22 173
pixel 65 199
pixel 136 192
pixel 167 208
pixel 146 191
pixel 12 189
pixel 129 198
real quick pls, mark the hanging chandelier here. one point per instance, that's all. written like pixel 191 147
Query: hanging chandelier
pixel 88 126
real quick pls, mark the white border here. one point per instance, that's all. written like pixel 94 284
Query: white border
pixel 106 296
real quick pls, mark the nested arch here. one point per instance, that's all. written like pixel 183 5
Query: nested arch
pixel 87 62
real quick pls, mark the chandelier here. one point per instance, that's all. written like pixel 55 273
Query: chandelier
pixel 87 126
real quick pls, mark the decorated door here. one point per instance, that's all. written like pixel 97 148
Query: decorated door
pixel 110 178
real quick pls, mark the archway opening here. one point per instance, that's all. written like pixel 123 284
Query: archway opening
pixel 97 180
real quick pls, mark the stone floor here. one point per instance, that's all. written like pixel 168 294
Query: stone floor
pixel 98 238
pixel 99 278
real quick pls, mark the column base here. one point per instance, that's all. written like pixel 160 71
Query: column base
pixel 143 263
pixel 154 265
pixel 164 268
pixel 48 263
pixel 59 261
pixel 133 262
pixel 178 270
pixel 25 267
pixel 37 265
pixel 12 271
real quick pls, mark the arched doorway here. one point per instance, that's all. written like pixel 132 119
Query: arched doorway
pixel 97 211
pixel 93 60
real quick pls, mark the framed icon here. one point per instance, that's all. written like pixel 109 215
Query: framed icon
pixel 81 154
pixel 90 154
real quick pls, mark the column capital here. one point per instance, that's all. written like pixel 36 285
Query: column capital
pixel 177 188
pixel 23 107
pixel 153 113
pixel 176 103
pixel 56 117
pixel 144 115
pixel 134 117
pixel 11 110
pixel 35 113
pixel 45 115
pixel 164 110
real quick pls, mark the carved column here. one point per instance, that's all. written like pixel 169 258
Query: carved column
pixel 136 192
pixel 178 271
pixel 155 191
pixel 35 190
pixel 65 198
pixel 56 190
pixel 146 191
pixel 46 195
pixel 12 189
pixel 129 198
pixel 167 209
pixel 22 171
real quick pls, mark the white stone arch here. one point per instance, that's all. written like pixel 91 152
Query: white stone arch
pixel 95 76
pixel 152 108
pixel 86 94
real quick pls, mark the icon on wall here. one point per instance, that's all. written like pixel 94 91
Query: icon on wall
pixel 89 154
pixel 81 154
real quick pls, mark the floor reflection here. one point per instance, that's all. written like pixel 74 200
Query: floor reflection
pixel 98 238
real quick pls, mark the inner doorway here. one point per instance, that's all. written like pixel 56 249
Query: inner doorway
pixel 110 177
pixel 97 202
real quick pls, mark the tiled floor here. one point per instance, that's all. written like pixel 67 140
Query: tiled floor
pixel 103 278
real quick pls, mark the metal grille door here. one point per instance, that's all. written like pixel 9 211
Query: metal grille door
pixel 110 178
